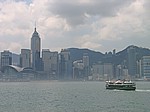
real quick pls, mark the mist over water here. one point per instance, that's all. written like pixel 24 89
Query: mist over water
pixel 72 97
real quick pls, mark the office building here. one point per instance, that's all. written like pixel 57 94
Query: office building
pixel 146 67
pixel 50 62
pixel 6 58
pixel 65 66
pixel 78 69
pixel 98 71
pixel 35 51
pixel 108 71
pixel 86 60
pixel 132 61
pixel 86 63
pixel 25 58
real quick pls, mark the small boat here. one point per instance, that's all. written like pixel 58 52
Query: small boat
pixel 121 85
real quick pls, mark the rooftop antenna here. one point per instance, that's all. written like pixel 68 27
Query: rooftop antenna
pixel 35 25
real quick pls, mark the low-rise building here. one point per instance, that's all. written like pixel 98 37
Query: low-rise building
pixel 15 73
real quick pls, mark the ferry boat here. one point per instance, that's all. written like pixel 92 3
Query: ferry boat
pixel 121 85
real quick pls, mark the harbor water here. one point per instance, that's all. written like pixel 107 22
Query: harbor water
pixel 55 96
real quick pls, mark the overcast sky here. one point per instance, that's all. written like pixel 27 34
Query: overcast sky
pixel 100 25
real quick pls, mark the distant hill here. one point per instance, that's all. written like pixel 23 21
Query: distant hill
pixel 77 54
pixel 118 58
pixel 122 55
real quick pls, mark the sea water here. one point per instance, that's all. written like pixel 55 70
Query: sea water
pixel 55 96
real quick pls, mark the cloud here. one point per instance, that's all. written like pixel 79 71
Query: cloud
pixel 130 22
pixel 14 24
pixel 74 12
pixel 87 42
pixel 10 46
pixel 94 24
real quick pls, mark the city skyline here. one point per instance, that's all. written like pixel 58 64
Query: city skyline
pixel 96 25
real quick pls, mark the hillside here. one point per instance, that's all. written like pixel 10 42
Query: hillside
pixel 122 55
pixel 77 54
pixel 118 58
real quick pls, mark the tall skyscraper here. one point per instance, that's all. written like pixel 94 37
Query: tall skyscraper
pixel 35 51
pixel 146 67
pixel 25 58
pixel 65 65
pixel 86 64
pixel 97 71
pixel 108 70
pixel 86 60
pixel 50 61
pixel 132 61
pixel 78 69
pixel 6 58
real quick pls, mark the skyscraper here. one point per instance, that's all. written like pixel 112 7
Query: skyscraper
pixel 35 51
pixel 108 70
pixel 25 58
pixel 65 65
pixel 86 60
pixel 146 67
pixel 86 64
pixel 132 61
pixel 50 61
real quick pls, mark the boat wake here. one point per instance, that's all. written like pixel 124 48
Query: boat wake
pixel 140 90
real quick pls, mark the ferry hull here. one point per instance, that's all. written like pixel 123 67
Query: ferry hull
pixel 121 87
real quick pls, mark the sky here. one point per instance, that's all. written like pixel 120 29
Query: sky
pixel 100 25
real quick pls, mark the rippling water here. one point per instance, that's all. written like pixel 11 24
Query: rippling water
pixel 72 97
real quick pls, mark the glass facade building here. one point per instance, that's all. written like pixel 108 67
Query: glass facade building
pixel 146 67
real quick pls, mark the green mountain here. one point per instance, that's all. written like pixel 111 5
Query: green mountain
pixel 77 54
pixel 118 58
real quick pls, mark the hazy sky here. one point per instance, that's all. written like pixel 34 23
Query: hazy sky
pixel 100 25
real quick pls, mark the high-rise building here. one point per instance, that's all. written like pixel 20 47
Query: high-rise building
pixel 78 69
pixel 119 72
pixel 132 61
pixel 98 71
pixel 35 51
pixel 86 64
pixel 108 70
pixel 146 67
pixel 86 60
pixel 6 58
pixel 25 58
pixel 65 66
pixel 50 62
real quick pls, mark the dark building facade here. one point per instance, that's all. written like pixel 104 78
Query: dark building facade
pixel 132 61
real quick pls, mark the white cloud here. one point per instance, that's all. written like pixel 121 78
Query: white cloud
pixel 128 23
pixel 94 24
pixel 10 46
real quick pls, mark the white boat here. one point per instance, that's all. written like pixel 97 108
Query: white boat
pixel 120 85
